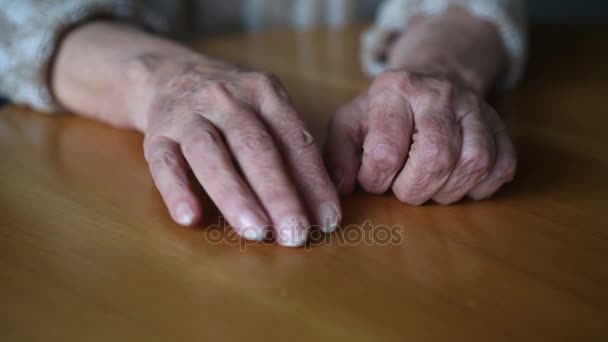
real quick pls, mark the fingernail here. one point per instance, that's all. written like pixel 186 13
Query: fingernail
pixel 185 214
pixel 253 227
pixel 255 234
pixel 328 218
pixel 292 233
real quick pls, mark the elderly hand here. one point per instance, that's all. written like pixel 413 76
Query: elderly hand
pixel 428 137
pixel 236 130
pixel 244 142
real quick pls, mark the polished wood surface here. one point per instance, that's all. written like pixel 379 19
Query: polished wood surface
pixel 89 253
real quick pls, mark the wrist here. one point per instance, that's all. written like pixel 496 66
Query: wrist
pixel 455 44
pixel 442 65
pixel 141 81
pixel 107 71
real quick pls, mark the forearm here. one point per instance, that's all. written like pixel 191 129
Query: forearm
pixel 99 71
pixel 454 43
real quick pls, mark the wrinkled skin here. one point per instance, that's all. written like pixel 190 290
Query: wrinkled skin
pixel 421 129
pixel 246 145
pixel 425 136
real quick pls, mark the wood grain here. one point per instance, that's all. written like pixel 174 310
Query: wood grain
pixel 89 253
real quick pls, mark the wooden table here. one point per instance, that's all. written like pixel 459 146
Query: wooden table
pixel 89 253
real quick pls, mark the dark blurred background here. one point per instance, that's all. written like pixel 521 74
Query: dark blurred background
pixel 543 11
pixel 568 11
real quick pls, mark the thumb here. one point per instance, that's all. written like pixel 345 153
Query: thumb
pixel 344 144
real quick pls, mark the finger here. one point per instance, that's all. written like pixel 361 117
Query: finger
pixel 433 155
pixel 505 165
pixel 387 141
pixel 255 151
pixel 476 159
pixel 344 142
pixel 168 169
pixel 301 155
pixel 206 153
pixel 503 170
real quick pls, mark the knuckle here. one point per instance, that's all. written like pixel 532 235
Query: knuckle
pixel 436 158
pixel 405 196
pixel 200 138
pixel 506 170
pixel 182 82
pixel 443 87
pixel 438 127
pixel 240 119
pixel 385 156
pixel 297 138
pixel 163 159
pixel 253 141
pixel 437 91
pixel 477 160
pixel 265 80
pixel 149 145
pixel 394 79
pixel 216 91
pixel 472 102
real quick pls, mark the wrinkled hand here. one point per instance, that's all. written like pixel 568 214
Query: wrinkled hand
pixel 245 144
pixel 426 136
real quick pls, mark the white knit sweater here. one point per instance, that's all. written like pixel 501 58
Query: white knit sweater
pixel 31 29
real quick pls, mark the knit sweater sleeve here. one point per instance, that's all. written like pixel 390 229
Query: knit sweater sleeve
pixel 32 30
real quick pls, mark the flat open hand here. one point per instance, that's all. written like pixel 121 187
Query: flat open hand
pixel 426 136
pixel 245 144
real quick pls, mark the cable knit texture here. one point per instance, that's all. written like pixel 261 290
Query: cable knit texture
pixel 31 29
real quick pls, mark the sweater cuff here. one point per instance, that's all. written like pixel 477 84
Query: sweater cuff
pixel 394 16
pixel 37 28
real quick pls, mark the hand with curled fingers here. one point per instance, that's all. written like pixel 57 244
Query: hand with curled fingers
pixel 425 136
pixel 243 140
